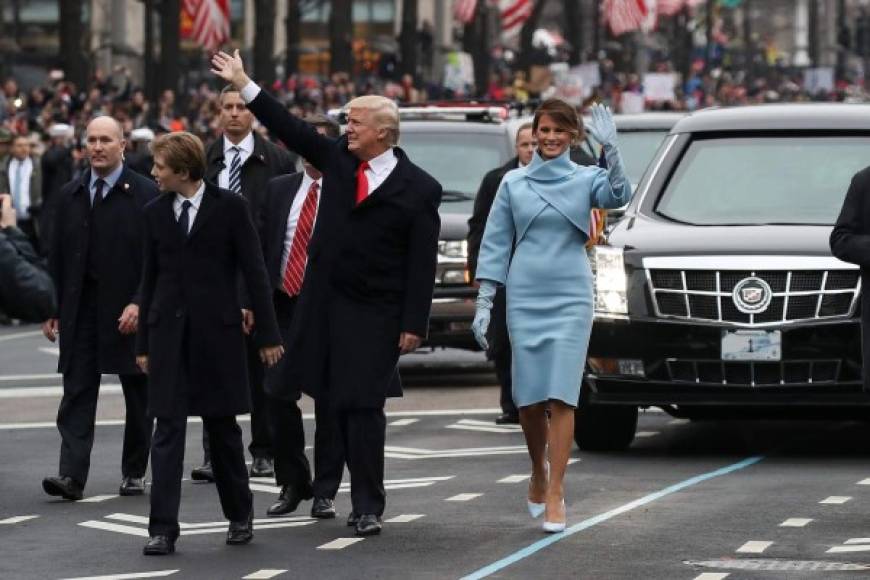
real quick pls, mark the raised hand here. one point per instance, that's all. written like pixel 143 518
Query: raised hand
pixel 230 68
pixel 602 126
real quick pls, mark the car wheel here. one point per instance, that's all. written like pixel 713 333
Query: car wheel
pixel 604 427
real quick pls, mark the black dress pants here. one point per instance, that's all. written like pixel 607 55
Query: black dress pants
pixel 167 466
pixel 78 406
pixel 329 449
pixel 261 431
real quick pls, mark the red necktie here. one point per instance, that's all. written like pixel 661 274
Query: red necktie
pixel 362 182
pixel 295 271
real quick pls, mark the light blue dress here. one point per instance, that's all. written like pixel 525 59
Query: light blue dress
pixel 544 211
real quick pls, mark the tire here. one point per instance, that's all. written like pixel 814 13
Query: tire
pixel 604 427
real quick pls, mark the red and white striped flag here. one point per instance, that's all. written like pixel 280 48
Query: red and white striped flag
pixel 513 14
pixel 671 7
pixel 463 10
pixel 210 22
pixel 624 15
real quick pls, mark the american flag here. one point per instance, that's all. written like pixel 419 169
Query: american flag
pixel 463 10
pixel 671 7
pixel 624 15
pixel 513 14
pixel 210 21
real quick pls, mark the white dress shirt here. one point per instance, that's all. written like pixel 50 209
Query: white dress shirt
pixel 380 168
pixel 295 212
pixel 195 201
pixel 246 148
pixel 25 167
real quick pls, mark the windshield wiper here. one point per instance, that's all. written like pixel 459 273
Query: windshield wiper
pixel 453 195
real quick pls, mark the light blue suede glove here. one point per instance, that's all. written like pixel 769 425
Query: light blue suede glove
pixel 603 129
pixel 485 294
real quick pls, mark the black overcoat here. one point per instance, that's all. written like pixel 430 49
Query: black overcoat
pixel 190 285
pixel 370 272
pixel 119 260
pixel 265 162
pixel 850 242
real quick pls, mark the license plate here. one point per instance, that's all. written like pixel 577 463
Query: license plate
pixel 752 345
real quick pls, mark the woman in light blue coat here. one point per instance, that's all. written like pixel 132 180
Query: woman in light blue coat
pixel 534 245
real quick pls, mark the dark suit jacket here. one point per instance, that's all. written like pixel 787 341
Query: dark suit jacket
pixel 190 285
pixel 850 241
pixel 35 182
pixel 371 267
pixel 267 161
pixel 119 255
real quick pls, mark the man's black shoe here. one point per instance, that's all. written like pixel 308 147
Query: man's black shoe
pixel 352 519
pixel 262 467
pixel 63 486
pixel 507 419
pixel 288 501
pixel 159 546
pixel 241 532
pixel 368 525
pixel 202 473
pixel 323 508
pixel 132 486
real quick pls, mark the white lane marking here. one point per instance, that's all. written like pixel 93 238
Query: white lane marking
pixel 795 522
pixel 848 549
pixel 514 478
pixel 404 518
pixel 9 378
pixel 484 426
pixel 573 460
pixel 50 350
pixel 864 481
pixel 345 487
pixel 134 519
pixel 836 499
pixel 643 434
pixel 403 422
pixel 678 422
pixel 263 574
pixel 41 392
pixel 712 576
pixel 97 498
pixel 16 520
pixel 754 547
pixel 340 543
pixel 464 497
pixel 27 334
pixel 410 453
pixel 128 576
pixel 117 528
pixel 857 541
pixel 225 526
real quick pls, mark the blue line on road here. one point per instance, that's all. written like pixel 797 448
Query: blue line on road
pixel 595 520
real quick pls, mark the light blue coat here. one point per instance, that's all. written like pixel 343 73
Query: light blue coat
pixel 542 212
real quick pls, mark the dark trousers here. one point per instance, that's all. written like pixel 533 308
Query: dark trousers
pixel 167 466
pixel 500 352
pixel 78 406
pixel 261 432
pixel 329 449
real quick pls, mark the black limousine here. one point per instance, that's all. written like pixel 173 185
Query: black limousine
pixel 717 294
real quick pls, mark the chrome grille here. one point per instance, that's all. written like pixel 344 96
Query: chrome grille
pixel 796 295
pixel 752 373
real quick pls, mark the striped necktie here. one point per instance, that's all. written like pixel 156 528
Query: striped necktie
pixel 294 273
pixel 235 182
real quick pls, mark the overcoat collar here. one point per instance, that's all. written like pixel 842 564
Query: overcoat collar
pixel 393 184
pixel 209 199
pixel 124 183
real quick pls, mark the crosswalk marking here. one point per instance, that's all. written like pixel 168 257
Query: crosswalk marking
pixel 643 434
pixel 484 426
pixel 464 497
pixel 97 498
pixel 345 487
pixel 795 522
pixel 137 525
pixel 394 452
pixel 128 576
pixel 403 422
pixel 754 547
pixel 712 576
pixel 404 518
pixel 848 549
pixel 340 543
pixel 858 541
pixel 264 574
pixel 16 520
pixel 514 478
pixel 864 481
pixel 836 499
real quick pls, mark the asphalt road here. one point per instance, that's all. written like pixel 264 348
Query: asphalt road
pixel 694 500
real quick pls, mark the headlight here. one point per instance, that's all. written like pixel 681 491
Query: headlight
pixel 453 249
pixel 610 280
pixel 454 276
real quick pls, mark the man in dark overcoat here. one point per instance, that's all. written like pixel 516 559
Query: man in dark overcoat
pixel 850 242
pixel 370 276
pixel 242 161
pixel 199 241
pixel 290 214
pixel 96 264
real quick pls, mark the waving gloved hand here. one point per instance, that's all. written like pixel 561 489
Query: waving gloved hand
pixel 485 294
pixel 601 126
pixel 603 129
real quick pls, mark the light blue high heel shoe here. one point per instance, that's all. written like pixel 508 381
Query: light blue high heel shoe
pixel 556 527
pixel 537 509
